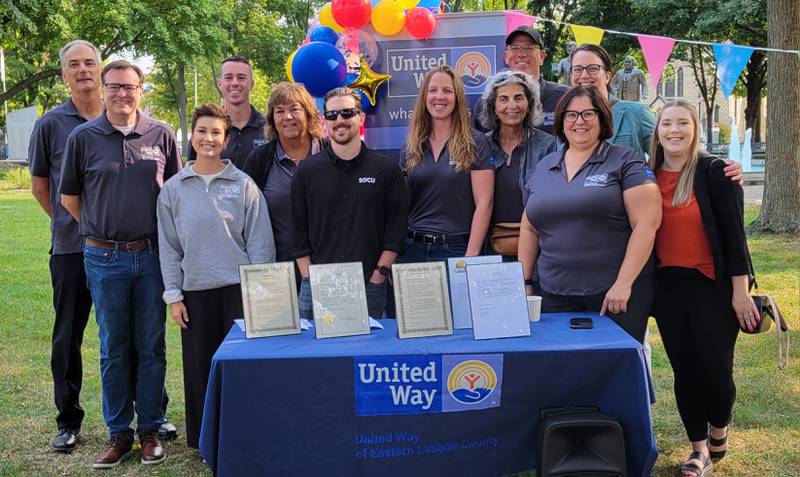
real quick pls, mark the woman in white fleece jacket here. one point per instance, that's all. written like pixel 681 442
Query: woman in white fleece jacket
pixel 211 219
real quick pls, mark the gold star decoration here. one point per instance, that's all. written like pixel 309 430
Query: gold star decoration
pixel 329 317
pixel 368 81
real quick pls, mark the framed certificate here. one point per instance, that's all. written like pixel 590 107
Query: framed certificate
pixel 497 300
pixel 269 298
pixel 459 298
pixel 422 298
pixel 340 299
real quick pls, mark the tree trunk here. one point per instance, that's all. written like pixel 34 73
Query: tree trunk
pixel 182 108
pixel 780 212
pixel 25 82
pixel 754 81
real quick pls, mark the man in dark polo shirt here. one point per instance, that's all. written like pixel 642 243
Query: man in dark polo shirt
pixel 80 69
pixel 349 204
pixel 525 52
pixel 114 167
pixel 247 124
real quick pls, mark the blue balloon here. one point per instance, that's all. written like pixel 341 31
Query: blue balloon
pixel 320 67
pixel 323 33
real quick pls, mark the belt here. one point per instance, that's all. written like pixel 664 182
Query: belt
pixel 131 247
pixel 428 238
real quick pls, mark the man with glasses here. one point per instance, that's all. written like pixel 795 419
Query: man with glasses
pixel 349 204
pixel 247 123
pixel 114 167
pixel 80 69
pixel 525 52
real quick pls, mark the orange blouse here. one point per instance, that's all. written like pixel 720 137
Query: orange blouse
pixel 681 241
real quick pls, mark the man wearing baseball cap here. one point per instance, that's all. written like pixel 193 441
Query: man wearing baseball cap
pixel 525 52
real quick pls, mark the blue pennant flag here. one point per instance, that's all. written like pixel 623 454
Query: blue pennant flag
pixel 731 60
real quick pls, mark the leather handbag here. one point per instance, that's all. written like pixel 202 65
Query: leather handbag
pixel 505 238
pixel 769 312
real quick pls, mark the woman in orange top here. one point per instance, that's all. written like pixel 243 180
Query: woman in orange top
pixel 702 297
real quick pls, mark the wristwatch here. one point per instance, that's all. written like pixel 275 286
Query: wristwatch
pixel 385 271
pixel 529 281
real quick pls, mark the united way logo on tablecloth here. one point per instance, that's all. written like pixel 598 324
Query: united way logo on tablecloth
pixel 386 385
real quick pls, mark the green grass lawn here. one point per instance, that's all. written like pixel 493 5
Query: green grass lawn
pixel 765 437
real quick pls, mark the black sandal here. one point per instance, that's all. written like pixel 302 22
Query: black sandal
pixel 713 441
pixel 698 471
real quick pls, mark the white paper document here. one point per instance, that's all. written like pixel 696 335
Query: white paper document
pixel 269 298
pixel 422 298
pixel 497 300
pixel 340 299
pixel 459 298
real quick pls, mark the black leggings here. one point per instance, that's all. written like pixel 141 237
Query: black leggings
pixel 211 315
pixel 633 321
pixel 699 330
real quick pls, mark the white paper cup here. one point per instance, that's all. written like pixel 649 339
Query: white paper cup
pixel 534 307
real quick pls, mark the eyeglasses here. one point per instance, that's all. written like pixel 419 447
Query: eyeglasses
pixel 586 114
pixel 522 48
pixel 115 87
pixel 345 113
pixel 591 69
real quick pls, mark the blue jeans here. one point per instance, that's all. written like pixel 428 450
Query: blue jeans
pixel 417 252
pixel 126 290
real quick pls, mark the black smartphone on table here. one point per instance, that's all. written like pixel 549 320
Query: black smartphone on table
pixel 581 323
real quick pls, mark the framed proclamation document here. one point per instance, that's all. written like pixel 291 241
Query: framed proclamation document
pixel 497 300
pixel 269 298
pixel 339 298
pixel 422 299
pixel 459 298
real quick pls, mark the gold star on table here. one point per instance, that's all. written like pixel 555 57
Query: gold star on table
pixel 368 81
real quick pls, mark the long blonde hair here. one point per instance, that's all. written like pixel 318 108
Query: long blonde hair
pixel 685 187
pixel 461 146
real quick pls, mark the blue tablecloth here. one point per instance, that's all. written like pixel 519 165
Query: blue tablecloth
pixel 294 405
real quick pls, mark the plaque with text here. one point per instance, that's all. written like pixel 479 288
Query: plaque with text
pixel 459 298
pixel 340 299
pixel 497 300
pixel 269 298
pixel 422 299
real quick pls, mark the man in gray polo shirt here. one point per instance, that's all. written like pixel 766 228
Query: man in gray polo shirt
pixel 114 167
pixel 247 123
pixel 80 69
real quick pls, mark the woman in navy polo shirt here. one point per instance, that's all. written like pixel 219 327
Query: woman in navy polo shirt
pixel 591 219
pixel 511 111
pixel 449 172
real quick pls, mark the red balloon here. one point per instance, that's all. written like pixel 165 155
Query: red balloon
pixel 420 22
pixel 351 13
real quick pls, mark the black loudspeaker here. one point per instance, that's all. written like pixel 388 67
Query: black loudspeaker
pixel 580 442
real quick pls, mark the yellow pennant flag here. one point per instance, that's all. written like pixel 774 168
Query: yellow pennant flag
pixel 587 34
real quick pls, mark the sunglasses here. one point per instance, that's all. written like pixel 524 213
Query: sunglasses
pixel 344 113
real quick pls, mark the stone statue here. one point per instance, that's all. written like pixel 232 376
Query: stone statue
pixel 562 70
pixel 629 83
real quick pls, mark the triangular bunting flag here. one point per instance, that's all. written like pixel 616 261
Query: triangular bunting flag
pixel 517 19
pixel 656 50
pixel 587 34
pixel 731 60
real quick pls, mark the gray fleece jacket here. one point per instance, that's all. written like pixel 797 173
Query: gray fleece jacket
pixel 205 233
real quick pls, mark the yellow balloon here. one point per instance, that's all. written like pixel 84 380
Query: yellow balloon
pixel 408 4
pixel 388 17
pixel 289 67
pixel 326 18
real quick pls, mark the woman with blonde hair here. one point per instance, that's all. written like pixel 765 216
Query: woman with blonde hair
pixel 703 268
pixel 450 174
pixel 294 132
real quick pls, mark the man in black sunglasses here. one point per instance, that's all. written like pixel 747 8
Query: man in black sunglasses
pixel 525 52
pixel 349 204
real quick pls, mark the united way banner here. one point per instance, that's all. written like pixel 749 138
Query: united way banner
pixel 422 384
pixel 472 45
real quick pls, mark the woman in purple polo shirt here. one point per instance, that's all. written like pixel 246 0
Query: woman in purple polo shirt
pixel 449 172
pixel 591 219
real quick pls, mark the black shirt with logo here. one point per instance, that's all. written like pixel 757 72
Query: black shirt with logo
pixel 349 211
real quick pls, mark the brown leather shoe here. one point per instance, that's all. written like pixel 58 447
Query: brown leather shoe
pixel 152 452
pixel 118 449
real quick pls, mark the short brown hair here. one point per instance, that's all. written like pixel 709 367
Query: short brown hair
pixel 286 93
pixel 342 92
pixel 599 103
pixel 211 111
pixel 123 65
pixel 236 59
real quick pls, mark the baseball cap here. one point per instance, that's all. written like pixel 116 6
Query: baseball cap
pixel 528 30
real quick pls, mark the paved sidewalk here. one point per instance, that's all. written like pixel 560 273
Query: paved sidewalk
pixel 753 194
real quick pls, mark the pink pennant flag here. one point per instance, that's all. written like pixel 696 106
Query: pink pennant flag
pixel 656 50
pixel 517 19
